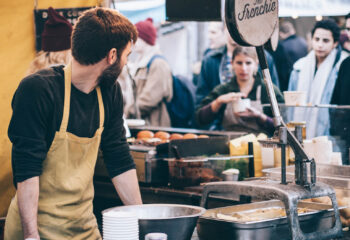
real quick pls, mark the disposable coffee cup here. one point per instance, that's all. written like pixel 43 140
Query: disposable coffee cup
pixel 241 105
pixel 295 98
pixel 231 174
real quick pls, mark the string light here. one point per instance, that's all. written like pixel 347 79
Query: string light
pixel 318 17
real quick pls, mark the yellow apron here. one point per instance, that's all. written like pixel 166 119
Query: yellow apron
pixel 66 185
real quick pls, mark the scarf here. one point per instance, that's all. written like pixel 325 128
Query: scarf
pixel 311 82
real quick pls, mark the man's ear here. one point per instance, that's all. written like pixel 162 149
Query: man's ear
pixel 112 56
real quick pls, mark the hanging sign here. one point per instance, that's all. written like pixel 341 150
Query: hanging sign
pixel 251 22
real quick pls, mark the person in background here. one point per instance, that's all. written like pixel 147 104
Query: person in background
pixel 216 36
pixel 283 65
pixel 217 40
pixel 295 46
pixel 246 83
pixel 152 78
pixel 342 87
pixel 344 42
pixel 217 68
pixel 340 118
pixel 61 115
pixel 316 75
pixel 317 72
pixel 55 43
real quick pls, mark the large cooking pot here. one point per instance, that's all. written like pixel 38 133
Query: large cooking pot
pixel 177 221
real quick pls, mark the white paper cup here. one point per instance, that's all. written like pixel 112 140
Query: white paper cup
pixel 295 98
pixel 241 105
pixel 231 174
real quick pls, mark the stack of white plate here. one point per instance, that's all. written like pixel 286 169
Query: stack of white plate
pixel 119 225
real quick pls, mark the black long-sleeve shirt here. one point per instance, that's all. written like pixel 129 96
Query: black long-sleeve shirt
pixel 37 114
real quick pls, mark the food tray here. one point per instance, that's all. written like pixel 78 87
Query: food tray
pixel 209 227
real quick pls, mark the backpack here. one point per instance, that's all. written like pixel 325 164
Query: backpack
pixel 181 107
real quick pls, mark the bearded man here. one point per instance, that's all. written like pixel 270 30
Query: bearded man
pixel 61 116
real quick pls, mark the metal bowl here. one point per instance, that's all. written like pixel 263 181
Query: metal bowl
pixel 177 221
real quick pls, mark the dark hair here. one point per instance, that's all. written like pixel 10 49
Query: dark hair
pixel 287 27
pixel 99 30
pixel 247 51
pixel 347 16
pixel 328 24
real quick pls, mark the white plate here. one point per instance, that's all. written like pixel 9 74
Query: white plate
pixel 135 122
pixel 131 230
pixel 121 234
pixel 126 221
pixel 115 222
pixel 120 238
pixel 115 236
pixel 120 223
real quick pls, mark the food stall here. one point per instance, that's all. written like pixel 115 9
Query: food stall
pixel 284 207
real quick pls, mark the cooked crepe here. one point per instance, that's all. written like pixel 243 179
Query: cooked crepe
pixel 257 215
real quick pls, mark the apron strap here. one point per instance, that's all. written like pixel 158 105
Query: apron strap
pixel 100 106
pixel 258 93
pixel 67 90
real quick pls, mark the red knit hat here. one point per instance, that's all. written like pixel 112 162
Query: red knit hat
pixel 147 31
pixel 57 32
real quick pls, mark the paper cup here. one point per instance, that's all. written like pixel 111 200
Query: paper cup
pixel 241 105
pixel 295 98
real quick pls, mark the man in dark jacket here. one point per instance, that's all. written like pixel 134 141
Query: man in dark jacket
pixel 295 46
pixel 342 85
pixel 340 118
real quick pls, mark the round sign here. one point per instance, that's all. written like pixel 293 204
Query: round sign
pixel 251 22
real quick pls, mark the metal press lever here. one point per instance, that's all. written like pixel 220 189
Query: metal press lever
pixel 301 158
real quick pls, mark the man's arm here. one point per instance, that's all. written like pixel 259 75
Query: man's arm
pixel 127 187
pixel 27 196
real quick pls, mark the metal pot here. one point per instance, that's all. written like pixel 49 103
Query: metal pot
pixel 177 221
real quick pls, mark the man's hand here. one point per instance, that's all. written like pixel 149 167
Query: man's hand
pixel 27 197
pixel 127 187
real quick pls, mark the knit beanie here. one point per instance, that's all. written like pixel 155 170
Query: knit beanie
pixel 57 32
pixel 147 31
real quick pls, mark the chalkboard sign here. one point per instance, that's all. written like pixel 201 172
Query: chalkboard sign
pixel 193 10
pixel 41 15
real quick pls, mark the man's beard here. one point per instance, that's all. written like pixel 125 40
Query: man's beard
pixel 109 76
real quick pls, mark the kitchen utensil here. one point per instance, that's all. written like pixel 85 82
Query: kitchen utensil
pixel 210 227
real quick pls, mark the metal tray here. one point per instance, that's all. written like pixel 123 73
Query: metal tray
pixel 212 228
pixel 193 147
pixel 336 176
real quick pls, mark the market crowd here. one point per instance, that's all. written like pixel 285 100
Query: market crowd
pixel 70 106
pixel 229 73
